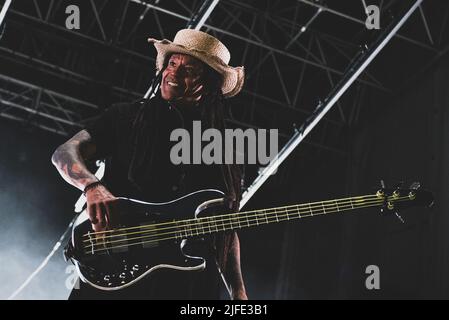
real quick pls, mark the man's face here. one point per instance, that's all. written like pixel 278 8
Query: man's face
pixel 182 80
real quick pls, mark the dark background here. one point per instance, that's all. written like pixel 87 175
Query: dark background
pixel 397 133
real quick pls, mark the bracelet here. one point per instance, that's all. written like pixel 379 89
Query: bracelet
pixel 91 186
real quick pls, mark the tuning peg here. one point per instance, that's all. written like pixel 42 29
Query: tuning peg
pixel 385 197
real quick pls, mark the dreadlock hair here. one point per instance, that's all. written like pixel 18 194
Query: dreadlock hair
pixel 212 106
pixel 142 148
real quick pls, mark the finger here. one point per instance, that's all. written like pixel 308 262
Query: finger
pixel 111 214
pixel 100 216
pixel 91 212
pixel 97 228
pixel 103 214
pixel 94 223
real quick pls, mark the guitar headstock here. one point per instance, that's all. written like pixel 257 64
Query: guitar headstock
pixel 400 198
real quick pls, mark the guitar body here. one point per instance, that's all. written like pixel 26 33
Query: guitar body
pixel 133 251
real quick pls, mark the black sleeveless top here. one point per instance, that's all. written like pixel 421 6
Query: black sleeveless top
pixel 155 179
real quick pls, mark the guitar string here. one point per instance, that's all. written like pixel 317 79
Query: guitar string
pixel 164 223
pixel 192 228
pixel 233 216
pixel 93 251
pixel 174 223
pixel 371 204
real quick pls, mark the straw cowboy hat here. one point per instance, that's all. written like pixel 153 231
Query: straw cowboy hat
pixel 206 48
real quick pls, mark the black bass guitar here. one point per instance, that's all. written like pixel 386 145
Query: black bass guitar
pixel 151 236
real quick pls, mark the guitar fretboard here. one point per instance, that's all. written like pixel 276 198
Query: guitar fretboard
pixel 220 223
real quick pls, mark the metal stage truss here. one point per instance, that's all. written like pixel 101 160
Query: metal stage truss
pixel 294 52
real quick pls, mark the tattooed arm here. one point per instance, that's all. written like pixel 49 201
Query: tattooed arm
pixel 69 160
pixel 234 272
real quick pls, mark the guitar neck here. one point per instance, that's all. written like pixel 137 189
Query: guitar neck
pixel 240 220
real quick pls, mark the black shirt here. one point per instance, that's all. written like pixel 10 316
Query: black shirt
pixel 156 179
